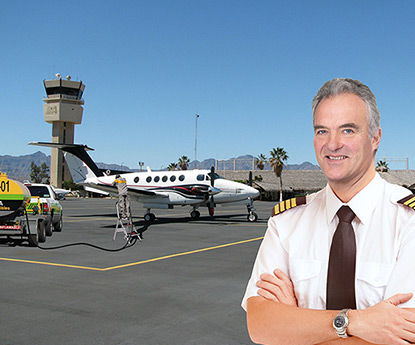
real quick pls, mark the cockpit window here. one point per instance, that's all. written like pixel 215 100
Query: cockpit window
pixel 200 177
pixel 215 175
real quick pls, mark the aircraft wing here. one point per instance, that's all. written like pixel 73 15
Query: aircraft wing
pixel 135 193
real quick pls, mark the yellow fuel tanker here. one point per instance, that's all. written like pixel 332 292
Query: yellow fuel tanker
pixel 13 196
pixel 13 219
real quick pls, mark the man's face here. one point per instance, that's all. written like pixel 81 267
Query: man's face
pixel 343 148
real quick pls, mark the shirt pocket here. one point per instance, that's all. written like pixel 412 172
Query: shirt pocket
pixel 371 281
pixel 305 277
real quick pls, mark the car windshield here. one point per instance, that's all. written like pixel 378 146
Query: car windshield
pixel 39 191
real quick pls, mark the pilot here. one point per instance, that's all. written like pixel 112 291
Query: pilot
pixel 123 197
pixel 338 263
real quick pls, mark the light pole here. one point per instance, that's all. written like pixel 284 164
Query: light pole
pixel 197 116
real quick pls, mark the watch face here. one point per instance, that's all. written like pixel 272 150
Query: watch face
pixel 339 321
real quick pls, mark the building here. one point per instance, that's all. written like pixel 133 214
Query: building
pixel 63 109
pixel 302 182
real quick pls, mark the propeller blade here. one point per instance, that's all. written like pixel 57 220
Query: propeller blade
pixel 212 176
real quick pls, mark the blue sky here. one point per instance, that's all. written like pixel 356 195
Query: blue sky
pixel 249 68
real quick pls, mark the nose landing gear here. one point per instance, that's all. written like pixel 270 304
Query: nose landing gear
pixel 252 216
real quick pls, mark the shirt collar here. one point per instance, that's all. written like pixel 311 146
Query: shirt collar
pixel 362 204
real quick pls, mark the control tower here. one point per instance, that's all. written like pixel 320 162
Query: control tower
pixel 63 109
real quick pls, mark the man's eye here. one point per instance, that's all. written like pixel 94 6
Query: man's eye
pixel 321 131
pixel 348 131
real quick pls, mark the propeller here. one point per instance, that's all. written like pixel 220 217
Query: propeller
pixel 211 203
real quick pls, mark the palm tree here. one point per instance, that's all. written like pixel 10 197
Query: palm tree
pixel 184 162
pixel 260 161
pixel 382 166
pixel 278 156
pixel 172 167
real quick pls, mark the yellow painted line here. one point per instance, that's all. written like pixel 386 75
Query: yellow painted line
pixel 133 263
pixel 182 254
pixel 51 264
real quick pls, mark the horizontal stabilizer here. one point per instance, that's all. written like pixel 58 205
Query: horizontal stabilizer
pixel 77 150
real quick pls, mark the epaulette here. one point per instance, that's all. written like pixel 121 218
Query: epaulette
pixel 408 201
pixel 287 204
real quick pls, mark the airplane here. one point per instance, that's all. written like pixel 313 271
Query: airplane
pixel 60 192
pixel 159 189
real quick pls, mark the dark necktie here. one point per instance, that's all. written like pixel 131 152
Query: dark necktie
pixel 342 264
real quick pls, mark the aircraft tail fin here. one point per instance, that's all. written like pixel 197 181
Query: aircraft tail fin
pixel 80 163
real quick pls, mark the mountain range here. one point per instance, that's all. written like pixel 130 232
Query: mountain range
pixel 18 167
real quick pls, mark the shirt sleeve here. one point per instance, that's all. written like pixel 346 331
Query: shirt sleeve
pixel 402 279
pixel 271 255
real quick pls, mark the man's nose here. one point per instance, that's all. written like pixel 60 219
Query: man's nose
pixel 334 142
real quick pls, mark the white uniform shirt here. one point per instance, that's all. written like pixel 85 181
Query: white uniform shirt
pixel 298 242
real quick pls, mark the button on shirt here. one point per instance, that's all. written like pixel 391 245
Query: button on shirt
pixel 298 242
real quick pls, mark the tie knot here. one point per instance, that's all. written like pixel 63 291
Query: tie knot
pixel 345 214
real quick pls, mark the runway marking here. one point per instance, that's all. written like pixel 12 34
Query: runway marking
pixel 52 264
pixel 133 263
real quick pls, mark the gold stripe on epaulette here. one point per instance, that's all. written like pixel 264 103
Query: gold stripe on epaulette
pixel 408 201
pixel 287 204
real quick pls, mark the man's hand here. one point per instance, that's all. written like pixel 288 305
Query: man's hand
pixel 385 322
pixel 277 287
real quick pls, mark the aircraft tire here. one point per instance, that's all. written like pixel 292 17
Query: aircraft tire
pixel 252 217
pixel 149 217
pixel 195 214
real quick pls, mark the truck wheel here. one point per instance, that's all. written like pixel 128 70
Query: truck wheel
pixel 48 226
pixel 58 226
pixel 41 233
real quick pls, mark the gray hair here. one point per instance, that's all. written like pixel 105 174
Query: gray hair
pixel 338 86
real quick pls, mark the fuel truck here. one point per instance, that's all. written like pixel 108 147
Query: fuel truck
pixel 14 221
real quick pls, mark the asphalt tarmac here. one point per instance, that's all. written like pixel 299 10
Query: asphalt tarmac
pixel 182 284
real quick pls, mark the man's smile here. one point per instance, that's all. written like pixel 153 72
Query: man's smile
pixel 336 158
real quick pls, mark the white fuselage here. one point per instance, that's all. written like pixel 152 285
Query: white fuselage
pixel 184 187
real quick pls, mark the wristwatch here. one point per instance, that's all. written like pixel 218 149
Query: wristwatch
pixel 340 323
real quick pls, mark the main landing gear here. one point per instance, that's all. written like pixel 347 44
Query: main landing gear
pixel 149 217
pixel 195 214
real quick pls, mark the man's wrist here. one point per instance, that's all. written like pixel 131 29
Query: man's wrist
pixel 352 315
pixel 341 322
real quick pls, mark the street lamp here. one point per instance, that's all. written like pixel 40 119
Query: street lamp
pixel 197 116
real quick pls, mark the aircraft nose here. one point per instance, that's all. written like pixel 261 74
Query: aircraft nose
pixel 252 192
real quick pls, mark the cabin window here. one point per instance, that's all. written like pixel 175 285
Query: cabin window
pixel 200 177
pixel 157 178
pixel 148 179
pixel 136 179
pixel 181 178
pixel 172 178
pixel 164 178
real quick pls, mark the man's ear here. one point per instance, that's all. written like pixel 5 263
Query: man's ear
pixel 376 139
